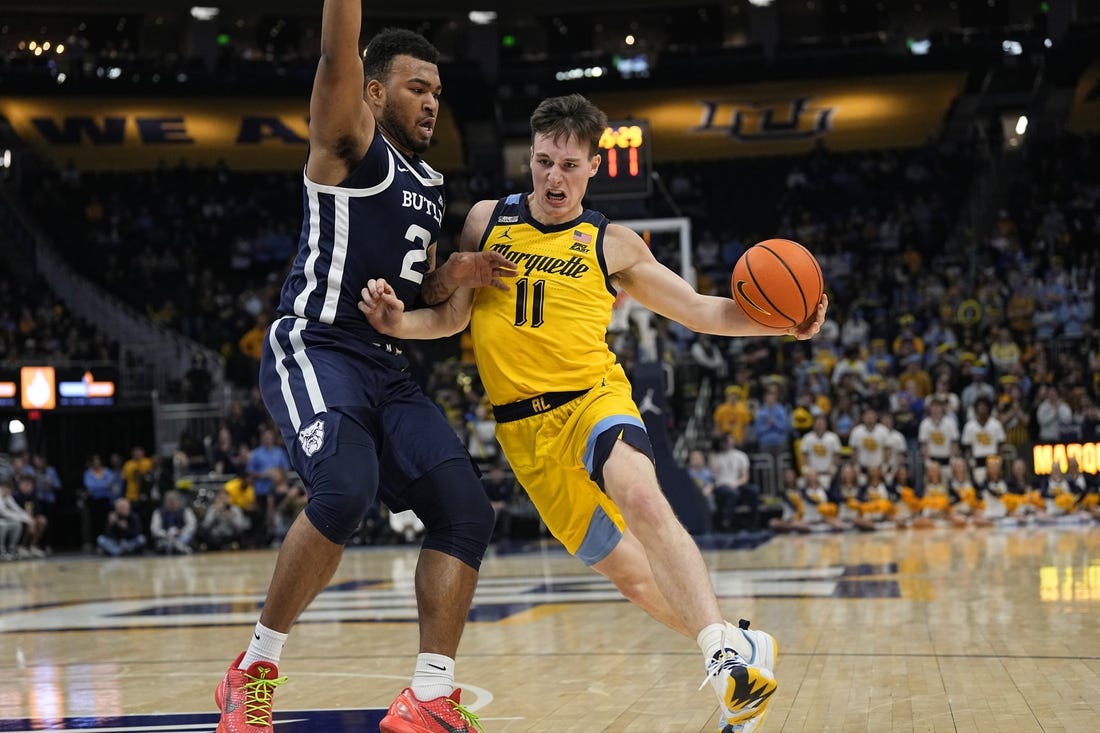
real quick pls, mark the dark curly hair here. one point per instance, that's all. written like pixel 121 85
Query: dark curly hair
pixel 390 42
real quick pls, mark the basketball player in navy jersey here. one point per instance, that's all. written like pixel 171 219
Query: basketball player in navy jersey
pixel 355 424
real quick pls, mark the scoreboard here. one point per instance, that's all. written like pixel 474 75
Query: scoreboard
pixel 625 171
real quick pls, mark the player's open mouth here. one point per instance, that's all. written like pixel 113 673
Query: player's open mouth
pixel 426 126
pixel 555 195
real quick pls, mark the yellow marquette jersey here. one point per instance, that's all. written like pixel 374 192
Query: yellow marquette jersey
pixel 548 332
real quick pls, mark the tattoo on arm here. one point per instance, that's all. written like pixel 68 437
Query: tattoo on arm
pixel 434 289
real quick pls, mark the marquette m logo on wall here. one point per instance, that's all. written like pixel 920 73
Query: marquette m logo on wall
pixel 766 121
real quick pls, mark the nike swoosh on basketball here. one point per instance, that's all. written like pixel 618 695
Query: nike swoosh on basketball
pixel 747 299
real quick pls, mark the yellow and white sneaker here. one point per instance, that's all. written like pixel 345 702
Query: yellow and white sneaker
pixel 744 686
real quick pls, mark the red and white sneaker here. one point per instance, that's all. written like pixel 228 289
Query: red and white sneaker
pixel 407 714
pixel 244 697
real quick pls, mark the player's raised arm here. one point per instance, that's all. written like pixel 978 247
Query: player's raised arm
pixel 340 124
pixel 634 268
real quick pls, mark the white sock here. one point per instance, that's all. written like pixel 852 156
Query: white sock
pixel 715 637
pixel 434 676
pixel 266 646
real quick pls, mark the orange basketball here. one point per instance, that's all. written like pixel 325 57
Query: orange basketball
pixel 778 283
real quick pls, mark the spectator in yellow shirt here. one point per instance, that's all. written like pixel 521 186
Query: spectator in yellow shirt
pixel 135 471
pixel 241 493
pixel 733 416
pixel 251 343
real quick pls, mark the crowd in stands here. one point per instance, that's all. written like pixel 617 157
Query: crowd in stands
pixel 936 369
pixel 34 327
pixel 944 356
pixel 200 251
pixel 30 489
pixel 231 489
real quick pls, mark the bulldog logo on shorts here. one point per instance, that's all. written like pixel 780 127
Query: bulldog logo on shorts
pixel 312 437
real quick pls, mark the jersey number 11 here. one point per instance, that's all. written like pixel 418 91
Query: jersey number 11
pixel 538 296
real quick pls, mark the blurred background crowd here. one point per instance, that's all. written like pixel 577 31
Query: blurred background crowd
pixel 961 271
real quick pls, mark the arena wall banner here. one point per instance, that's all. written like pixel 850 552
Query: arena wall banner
pixel 790 117
pixel 131 134
pixel 1084 116
pixel 1045 455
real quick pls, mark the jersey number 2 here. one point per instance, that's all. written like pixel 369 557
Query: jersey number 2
pixel 413 256
pixel 537 296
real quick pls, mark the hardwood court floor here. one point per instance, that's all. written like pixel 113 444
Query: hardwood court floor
pixel 940 630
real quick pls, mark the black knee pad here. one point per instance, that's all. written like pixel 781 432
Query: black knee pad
pixel 451 502
pixel 344 484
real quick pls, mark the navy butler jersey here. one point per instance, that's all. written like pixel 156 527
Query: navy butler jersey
pixel 378 222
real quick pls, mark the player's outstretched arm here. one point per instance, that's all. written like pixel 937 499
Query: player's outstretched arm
pixel 634 268
pixel 469 267
pixel 386 313
pixel 339 120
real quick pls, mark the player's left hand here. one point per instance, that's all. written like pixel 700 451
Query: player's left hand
pixel 478 269
pixel 810 328
pixel 380 304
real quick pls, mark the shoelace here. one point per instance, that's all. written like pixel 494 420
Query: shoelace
pixel 466 715
pixel 723 661
pixel 257 697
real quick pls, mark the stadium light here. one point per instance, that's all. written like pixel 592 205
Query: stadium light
pixel 17 438
pixel 1012 48
pixel 760 3
pixel 204 12
pixel 919 47
pixel 482 17
pixel 1021 125
pixel 581 73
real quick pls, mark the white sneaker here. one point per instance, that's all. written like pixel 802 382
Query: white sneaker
pixel 22 553
pixel 37 552
pixel 750 686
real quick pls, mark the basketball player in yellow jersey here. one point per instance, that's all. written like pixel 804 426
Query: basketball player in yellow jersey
pixel 565 417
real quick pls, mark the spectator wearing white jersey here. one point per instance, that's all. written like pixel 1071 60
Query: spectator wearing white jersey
pixel 733 488
pixel 938 434
pixel 820 450
pixel 982 437
pixel 868 442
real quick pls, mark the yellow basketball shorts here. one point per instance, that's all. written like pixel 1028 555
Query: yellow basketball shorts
pixel 558 454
